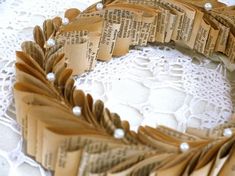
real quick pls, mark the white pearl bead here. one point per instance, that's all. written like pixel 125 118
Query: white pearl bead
pixel 184 147
pixel 51 76
pixel 50 42
pixel 99 6
pixel 77 111
pixel 227 132
pixel 208 6
pixel 65 21
pixel 119 133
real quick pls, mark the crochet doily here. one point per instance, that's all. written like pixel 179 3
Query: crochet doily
pixel 151 85
pixel 162 86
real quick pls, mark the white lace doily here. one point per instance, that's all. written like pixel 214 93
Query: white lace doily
pixel 144 83
pixel 162 86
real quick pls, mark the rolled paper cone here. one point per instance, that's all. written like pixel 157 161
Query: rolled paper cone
pixel 94 26
pixel 76 55
pixel 135 33
pixel 170 27
pixel 221 42
pixel 191 38
pixel 93 49
pixel 136 11
pixel 122 46
pixel 108 41
pixel 176 35
pixel 147 21
pixel 212 37
pixel 76 49
pixel 126 36
pixel 200 42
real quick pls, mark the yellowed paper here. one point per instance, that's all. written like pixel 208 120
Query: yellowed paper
pixel 142 167
pixel 230 49
pixel 94 25
pixel 135 33
pixel 146 25
pixel 76 47
pixel 161 25
pixel 108 41
pixel 221 158
pixel 170 27
pixel 67 162
pixel 110 157
pixel 94 42
pixel 153 30
pixel 176 134
pixel 53 139
pixel 40 117
pixel 223 35
pixel 202 37
pixel 188 21
pixel 212 38
pixel 34 50
pixel 174 167
pixel 124 17
pixel 204 170
pixel 228 167
pixel 25 94
pixel 176 35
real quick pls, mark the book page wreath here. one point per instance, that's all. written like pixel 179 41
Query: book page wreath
pixel 69 133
